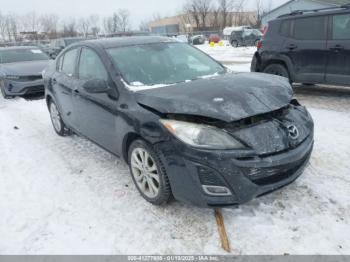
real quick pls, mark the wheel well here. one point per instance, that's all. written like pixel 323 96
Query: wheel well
pixel 131 137
pixel 48 100
pixel 271 62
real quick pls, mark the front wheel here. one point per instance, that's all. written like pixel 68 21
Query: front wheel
pixel 148 173
pixel 277 69
pixel 234 43
pixel 57 122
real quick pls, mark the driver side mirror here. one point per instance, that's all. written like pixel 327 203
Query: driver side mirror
pixel 96 86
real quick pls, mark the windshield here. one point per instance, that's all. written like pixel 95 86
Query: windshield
pixel 22 55
pixel 163 64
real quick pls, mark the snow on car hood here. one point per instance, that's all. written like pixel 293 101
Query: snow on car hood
pixel 228 97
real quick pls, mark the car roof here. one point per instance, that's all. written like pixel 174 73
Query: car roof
pixel 311 13
pixel 107 43
pixel 18 47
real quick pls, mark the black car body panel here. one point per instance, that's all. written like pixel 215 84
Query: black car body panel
pixel 312 46
pixel 246 106
pixel 226 97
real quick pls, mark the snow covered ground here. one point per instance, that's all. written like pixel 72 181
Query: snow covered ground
pixel 68 196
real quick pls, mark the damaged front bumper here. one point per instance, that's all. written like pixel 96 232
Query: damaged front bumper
pixel 247 178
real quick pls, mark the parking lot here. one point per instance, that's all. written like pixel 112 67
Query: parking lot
pixel 66 195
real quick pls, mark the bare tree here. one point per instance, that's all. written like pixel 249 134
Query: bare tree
pixel 84 26
pixel 70 28
pixel 12 27
pixel 124 19
pixel 3 26
pixel 31 22
pixel 108 25
pixel 262 7
pixel 49 25
pixel 203 7
pixel 191 9
pixel 144 26
pixel 225 7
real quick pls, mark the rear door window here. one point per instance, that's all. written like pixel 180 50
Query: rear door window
pixel 341 27
pixel 69 61
pixel 310 28
pixel 285 28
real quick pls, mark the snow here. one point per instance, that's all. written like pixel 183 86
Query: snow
pixel 237 59
pixel 68 196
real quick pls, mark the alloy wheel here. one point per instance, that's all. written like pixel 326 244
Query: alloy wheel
pixel 145 172
pixel 55 117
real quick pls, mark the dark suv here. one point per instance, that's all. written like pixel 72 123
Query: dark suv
pixel 307 47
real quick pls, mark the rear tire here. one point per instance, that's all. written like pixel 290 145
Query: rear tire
pixel 148 173
pixel 60 128
pixel 277 69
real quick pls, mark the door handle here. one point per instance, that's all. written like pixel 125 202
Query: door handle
pixel 76 91
pixel 292 47
pixel 54 81
pixel 337 48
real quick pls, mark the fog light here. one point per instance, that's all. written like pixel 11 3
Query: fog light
pixel 216 190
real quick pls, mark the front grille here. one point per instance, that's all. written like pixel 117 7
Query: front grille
pixel 209 177
pixel 30 78
pixel 35 89
pixel 272 175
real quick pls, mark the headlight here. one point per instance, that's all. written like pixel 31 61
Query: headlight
pixel 202 136
pixel 12 77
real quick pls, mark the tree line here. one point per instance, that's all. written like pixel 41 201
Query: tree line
pixel 202 13
pixel 51 26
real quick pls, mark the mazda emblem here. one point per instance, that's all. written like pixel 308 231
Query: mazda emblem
pixel 293 132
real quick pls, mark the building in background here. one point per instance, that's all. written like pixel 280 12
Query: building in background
pixel 294 5
pixel 184 24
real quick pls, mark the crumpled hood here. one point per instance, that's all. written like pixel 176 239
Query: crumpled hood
pixel 24 68
pixel 228 97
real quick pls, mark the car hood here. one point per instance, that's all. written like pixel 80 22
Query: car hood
pixel 229 97
pixel 24 68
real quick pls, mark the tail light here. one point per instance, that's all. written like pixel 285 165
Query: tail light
pixel 259 46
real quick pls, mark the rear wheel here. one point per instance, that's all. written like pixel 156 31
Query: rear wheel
pixel 57 122
pixel 148 173
pixel 277 69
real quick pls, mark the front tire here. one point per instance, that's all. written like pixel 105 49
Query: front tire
pixel 234 43
pixel 148 173
pixel 60 128
pixel 277 69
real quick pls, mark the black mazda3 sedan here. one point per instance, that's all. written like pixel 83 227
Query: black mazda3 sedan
pixel 186 126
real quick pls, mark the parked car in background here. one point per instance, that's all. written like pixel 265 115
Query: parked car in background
pixel 214 38
pixel 245 37
pixel 21 70
pixel 198 40
pixel 186 126
pixel 57 45
pixel 307 47
pixel 182 38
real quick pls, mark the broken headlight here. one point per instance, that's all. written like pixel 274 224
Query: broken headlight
pixel 202 136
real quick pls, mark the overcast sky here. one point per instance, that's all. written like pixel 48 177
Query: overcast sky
pixel 140 9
